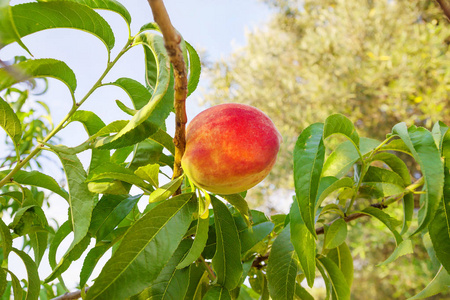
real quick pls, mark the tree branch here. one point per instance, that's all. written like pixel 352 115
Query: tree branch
pixel 172 40
pixel 70 296
pixel 445 6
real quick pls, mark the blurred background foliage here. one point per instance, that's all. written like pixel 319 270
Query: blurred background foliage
pixel 379 63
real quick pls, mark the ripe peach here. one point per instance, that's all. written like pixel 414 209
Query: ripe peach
pixel 230 148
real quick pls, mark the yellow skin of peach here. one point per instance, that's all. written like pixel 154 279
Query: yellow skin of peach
pixel 230 148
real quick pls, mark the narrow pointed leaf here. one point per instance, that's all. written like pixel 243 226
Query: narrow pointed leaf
pixel 439 284
pixel 423 148
pixel 341 160
pixel 197 278
pixel 172 283
pixel 386 219
pixel 60 14
pixel 340 287
pixel 145 250
pixel 166 190
pixel 282 267
pixel 340 124
pixel 309 154
pixel 10 122
pixel 342 257
pixel 9 33
pixel 81 200
pixel 111 5
pixel 109 212
pixel 217 293
pixel 336 234
pixel 439 230
pixel 6 239
pixel 304 244
pixel 44 67
pixel 227 259
pixel 405 247
pixel 90 262
pixel 92 123
pixel 33 281
pixel 17 288
pixel 249 237
pixel 195 68
pixel 149 173
pixel 38 179
pixel 201 236
pixel 336 185
pixel 240 204
pixel 161 68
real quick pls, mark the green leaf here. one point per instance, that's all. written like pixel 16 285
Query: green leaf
pixel 340 124
pixel 345 182
pixel 340 287
pixel 91 260
pixel 166 190
pixel 109 212
pixel 201 236
pixel 405 247
pixel 386 219
pixel 38 179
pixel 439 284
pixel 33 284
pixel 282 267
pixel 172 283
pixel 439 130
pixel 335 234
pixel 9 30
pixel 195 68
pixel 345 156
pixel 153 238
pixel 10 122
pixel 380 183
pixel 240 204
pixel 217 293
pixel 149 173
pixel 93 124
pixel 309 153
pixel 17 288
pixel 398 166
pixel 94 255
pixel 198 278
pixel 39 235
pixel 342 257
pixel 3 281
pixel 164 139
pixel 138 93
pixel 6 239
pixel 249 237
pixel 44 67
pixel 439 230
pixel 60 14
pixel 159 65
pixel 75 251
pixel 114 171
pixel 62 232
pixel 111 5
pixel 423 148
pixel 81 200
pixel 227 259
pixel 301 293
pixel 304 244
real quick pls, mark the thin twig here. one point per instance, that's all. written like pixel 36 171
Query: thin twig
pixel 445 6
pixel 172 40
pixel 71 295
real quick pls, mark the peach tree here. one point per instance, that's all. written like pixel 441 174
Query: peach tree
pixel 188 243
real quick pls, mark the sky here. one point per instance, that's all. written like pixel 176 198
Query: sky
pixel 213 27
